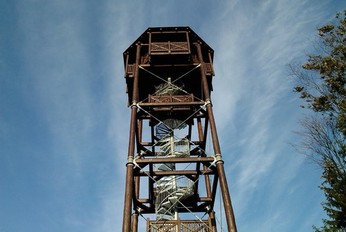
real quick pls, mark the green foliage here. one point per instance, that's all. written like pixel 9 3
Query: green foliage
pixel 334 187
pixel 330 94
pixel 322 86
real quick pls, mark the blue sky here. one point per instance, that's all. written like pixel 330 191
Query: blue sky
pixel 64 118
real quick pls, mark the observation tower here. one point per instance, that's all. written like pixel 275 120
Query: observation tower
pixel 171 179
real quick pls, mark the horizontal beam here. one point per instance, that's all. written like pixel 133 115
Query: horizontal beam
pixel 161 143
pixel 176 173
pixel 171 104
pixel 175 160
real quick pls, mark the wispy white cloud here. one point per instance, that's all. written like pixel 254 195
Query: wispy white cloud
pixel 61 65
pixel 118 32
pixel 251 92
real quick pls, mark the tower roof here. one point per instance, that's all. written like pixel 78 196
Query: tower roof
pixel 144 38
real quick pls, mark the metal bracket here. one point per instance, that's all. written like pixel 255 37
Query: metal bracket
pixel 130 160
pixel 208 102
pixel 217 159
pixel 134 104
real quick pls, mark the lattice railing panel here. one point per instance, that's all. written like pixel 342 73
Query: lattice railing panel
pixel 178 226
pixel 130 69
pixel 169 47
pixel 174 98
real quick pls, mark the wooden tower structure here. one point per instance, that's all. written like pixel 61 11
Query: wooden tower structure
pixel 169 174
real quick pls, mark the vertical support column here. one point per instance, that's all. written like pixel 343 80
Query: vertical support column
pixel 202 138
pixel 212 221
pixel 219 164
pixel 129 185
pixel 135 222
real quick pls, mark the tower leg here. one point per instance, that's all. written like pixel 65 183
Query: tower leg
pixel 219 165
pixel 128 199
pixel 129 185
pixel 226 198
pixel 221 173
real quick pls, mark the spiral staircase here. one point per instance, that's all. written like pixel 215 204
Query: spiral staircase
pixel 170 190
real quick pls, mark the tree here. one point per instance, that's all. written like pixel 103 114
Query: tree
pixel 321 83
